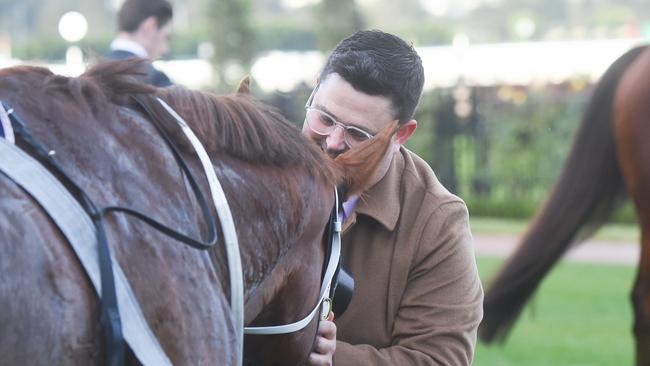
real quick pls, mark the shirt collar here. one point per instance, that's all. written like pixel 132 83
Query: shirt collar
pixel 348 206
pixel 124 44
pixel 382 201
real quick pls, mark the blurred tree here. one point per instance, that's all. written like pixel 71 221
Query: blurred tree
pixel 336 19
pixel 281 27
pixel 409 20
pixel 31 25
pixel 19 17
pixel 383 13
pixel 446 128
pixel 233 37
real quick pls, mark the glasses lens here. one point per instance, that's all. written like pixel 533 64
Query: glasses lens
pixel 355 136
pixel 323 124
pixel 319 122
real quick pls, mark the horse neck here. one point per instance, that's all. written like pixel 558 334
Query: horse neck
pixel 259 210
pixel 272 209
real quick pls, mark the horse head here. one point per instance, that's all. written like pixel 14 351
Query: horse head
pixel 288 289
pixel 279 185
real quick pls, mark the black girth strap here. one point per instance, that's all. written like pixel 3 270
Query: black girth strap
pixel 110 317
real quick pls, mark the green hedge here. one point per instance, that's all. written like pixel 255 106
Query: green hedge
pixel 526 209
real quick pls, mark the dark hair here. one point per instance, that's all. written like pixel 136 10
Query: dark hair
pixel 379 63
pixel 134 12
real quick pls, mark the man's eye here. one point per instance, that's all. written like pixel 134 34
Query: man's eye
pixel 357 135
pixel 327 121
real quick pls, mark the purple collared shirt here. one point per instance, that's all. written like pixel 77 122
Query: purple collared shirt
pixel 348 207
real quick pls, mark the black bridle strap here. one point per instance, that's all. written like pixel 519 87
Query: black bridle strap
pixel 203 203
pixel 110 318
pixel 92 210
pixel 330 235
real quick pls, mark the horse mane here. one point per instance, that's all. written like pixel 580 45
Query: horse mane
pixel 247 129
pixel 235 125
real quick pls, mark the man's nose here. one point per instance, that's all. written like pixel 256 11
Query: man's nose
pixel 335 141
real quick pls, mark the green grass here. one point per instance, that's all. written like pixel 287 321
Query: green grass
pixel 495 226
pixel 580 316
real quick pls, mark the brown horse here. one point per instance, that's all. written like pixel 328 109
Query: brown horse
pixel 610 156
pixel 278 185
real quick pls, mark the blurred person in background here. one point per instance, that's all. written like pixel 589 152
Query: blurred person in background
pixel 144 27
pixel 406 240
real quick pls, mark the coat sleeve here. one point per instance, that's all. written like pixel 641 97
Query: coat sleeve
pixel 442 305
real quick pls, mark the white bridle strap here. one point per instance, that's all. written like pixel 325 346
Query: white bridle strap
pixel 232 250
pixel 332 264
pixel 228 228
pixel 6 124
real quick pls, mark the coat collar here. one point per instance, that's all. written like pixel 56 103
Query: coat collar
pixel 382 201
pixel 124 44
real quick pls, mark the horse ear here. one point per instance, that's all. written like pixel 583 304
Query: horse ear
pixel 245 86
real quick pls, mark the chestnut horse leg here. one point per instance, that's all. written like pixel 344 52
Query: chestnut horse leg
pixel 632 129
pixel 641 302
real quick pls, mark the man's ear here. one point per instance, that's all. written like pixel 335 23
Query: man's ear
pixel 405 131
pixel 149 25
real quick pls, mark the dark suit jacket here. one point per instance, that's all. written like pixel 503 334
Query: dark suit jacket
pixel 154 76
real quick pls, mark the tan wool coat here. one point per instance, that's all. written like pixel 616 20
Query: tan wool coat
pixel 417 298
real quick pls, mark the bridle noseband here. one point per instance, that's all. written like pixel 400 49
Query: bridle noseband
pixel 324 298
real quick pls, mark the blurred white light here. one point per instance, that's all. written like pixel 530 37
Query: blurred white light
pixel 233 73
pixel 73 26
pixel 116 3
pixel 460 41
pixel 366 2
pixel 74 61
pixel 436 7
pixel 454 7
pixel 524 27
pixel 463 109
pixel 74 56
pixel 285 70
pixel 205 50
pixel 294 4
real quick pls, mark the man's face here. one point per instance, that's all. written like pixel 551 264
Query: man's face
pixel 339 99
pixel 350 107
pixel 159 41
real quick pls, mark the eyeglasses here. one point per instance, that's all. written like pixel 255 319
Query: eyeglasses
pixel 324 124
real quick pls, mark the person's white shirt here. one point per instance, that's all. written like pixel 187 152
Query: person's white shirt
pixel 123 44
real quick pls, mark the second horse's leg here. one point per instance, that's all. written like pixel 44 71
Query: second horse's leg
pixel 641 304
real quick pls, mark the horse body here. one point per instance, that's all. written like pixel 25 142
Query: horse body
pixel 610 157
pixel 49 309
pixel 632 129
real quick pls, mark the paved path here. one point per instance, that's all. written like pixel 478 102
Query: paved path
pixel 591 251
